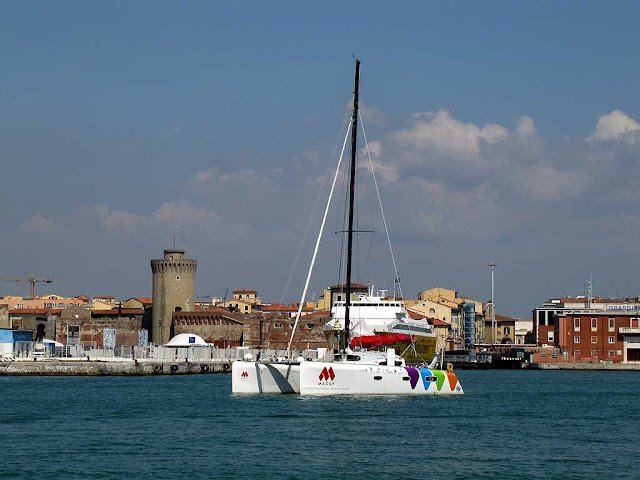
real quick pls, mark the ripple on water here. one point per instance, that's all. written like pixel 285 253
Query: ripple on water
pixel 509 424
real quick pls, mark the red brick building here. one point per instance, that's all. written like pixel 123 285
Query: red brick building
pixel 595 336
pixel 226 329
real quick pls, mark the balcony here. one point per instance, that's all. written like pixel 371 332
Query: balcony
pixel 629 330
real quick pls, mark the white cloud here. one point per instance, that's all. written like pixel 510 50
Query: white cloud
pixel 526 127
pixel 375 148
pixel 371 115
pixel 441 131
pixel 182 214
pixel 545 182
pixel 615 125
pixel 118 218
pixel 114 218
pixel 385 171
pixel 248 175
pixel 38 223
pixel 204 176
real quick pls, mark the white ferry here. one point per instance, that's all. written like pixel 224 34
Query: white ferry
pixel 379 322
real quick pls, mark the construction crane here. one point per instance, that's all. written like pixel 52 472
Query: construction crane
pixel 32 279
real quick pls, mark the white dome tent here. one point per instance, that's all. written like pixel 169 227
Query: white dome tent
pixel 186 340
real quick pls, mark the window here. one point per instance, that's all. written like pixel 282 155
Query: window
pixel 576 339
pixel 594 324
pixel 20 305
pixel 594 353
pixel 612 353
pixel 576 353
pixel 432 311
pixel 246 307
pixel 549 336
pixel 507 330
pixel 277 325
pixel 612 339
pixel 339 297
pixel 576 324
pixel 310 325
pixel 612 324
pixel 634 322
pixel 594 339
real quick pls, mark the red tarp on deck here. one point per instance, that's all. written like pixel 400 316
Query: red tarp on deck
pixel 381 340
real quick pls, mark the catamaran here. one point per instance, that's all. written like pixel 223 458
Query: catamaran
pixel 347 368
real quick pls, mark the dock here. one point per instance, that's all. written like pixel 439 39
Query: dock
pixel 122 367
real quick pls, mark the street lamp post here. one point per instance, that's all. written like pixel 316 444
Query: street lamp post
pixel 493 265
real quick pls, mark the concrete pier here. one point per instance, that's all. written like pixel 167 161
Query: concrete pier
pixel 123 367
pixel 586 366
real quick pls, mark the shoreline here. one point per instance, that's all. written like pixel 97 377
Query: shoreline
pixel 612 367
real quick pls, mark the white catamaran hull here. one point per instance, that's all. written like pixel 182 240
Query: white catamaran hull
pixel 318 378
pixel 257 377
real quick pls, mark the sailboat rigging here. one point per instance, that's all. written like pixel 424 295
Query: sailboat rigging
pixel 350 371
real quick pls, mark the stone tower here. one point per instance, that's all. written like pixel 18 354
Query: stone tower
pixel 174 287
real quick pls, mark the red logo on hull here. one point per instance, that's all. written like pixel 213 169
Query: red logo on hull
pixel 244 374
pixel 327 374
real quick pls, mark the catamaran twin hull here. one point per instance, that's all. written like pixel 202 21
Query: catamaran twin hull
pixel 336 378
pixel 259 377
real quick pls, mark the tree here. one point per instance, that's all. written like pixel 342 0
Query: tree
pixel 530 338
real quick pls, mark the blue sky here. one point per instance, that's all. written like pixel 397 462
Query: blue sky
pixel 122 123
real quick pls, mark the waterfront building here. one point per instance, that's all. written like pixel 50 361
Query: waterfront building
pixel 505 330
pixel 41 322
pixel 612 336
pixel 289 310
pixel 15 343
pixel 250 296
pixel 86 328
pixel 138 302
pixel 543 316
pixel 465 315
pixel 216 326
pixel 337 293
pixel 590 330
pixel 274 331
pixel 42 302
pixel 174 284
pixel 103 302
pixel 242 306
pixel 4 317
pixel 523 328
pixel 227 329
pixel 429 309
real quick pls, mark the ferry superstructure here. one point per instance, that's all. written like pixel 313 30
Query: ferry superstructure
pixel 373 315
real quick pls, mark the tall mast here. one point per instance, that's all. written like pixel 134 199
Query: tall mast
pixel 352 186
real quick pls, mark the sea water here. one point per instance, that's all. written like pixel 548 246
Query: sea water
pixel 509 424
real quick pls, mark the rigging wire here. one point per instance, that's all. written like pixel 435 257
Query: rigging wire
pixel 313 212
pixel 375 181
pixel 315 251
pixel 343 209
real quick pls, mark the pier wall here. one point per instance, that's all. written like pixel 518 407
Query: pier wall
pixel 102 368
